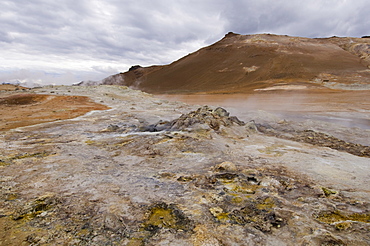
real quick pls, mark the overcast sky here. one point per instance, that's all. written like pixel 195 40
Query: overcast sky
pixel 66 41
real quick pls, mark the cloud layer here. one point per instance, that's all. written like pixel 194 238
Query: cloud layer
pixel 67 41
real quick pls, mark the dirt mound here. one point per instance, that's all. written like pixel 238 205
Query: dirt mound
pixel 244 63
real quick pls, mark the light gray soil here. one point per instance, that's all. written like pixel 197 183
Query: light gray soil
pixel 101 179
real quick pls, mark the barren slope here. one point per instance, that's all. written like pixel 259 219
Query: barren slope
pixel 243 63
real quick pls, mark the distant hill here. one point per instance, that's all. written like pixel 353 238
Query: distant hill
pixel 11 87
pixel 244 63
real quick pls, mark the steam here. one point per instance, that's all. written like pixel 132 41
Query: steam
pixel 34 78
pixel 275 107
pixel 247 102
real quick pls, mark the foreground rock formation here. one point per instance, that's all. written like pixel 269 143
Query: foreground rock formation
pixel 245 63
pixel 152 172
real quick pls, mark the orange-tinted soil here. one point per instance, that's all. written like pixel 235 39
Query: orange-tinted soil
pixel 23 109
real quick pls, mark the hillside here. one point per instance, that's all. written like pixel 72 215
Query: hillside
pixel 244 63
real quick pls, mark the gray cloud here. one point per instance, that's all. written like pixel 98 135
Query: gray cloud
pixel 314 18
pixel 101 37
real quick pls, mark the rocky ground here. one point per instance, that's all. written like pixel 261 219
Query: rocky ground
pixel 149 171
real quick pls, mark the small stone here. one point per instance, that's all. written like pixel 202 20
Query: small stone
pixel 344 225
pixel 226 166
pixel 185 178
pixel 112 128
pixel 283 122
pixel 216 211
pixel 221 112
pixel 329 192
pixel 251 126
pixel 113 223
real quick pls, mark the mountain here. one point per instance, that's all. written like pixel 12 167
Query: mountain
pixel 244 63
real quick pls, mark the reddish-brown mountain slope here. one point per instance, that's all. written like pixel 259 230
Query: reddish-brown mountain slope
pixel 243 63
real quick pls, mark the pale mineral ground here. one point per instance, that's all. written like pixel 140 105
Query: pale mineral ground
pixel 152 171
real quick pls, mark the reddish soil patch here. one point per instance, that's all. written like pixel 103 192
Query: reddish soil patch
pixel 28 109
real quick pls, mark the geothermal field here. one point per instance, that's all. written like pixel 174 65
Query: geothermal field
pixel 254 140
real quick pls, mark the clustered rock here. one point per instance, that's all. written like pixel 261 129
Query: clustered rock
pixel 204 116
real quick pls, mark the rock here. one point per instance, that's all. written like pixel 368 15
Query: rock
pixel 282 122
pixel 221 112
pixel 134 67
pixel 328 192
pixel 203 237
pixel 162 215
pixel 202 118
pixel 205 115
pixel 39 206
pixel 251 126
pixel 230 34
pixel 342 226
pixel 226 166
pixel 113 223
pixel 160 126
pixel 234 119
pixel 112 128
pixel 216 211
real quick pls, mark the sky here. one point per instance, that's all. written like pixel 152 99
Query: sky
pixel 68 41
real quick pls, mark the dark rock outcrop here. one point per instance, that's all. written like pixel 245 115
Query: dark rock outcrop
pixel 134 67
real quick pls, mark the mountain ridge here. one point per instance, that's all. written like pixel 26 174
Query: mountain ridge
pixel 244 63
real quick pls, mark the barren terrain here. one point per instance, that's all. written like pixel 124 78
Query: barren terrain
pixel 245 63
pixel 254 140
pixel 28 108
pixel 151 171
